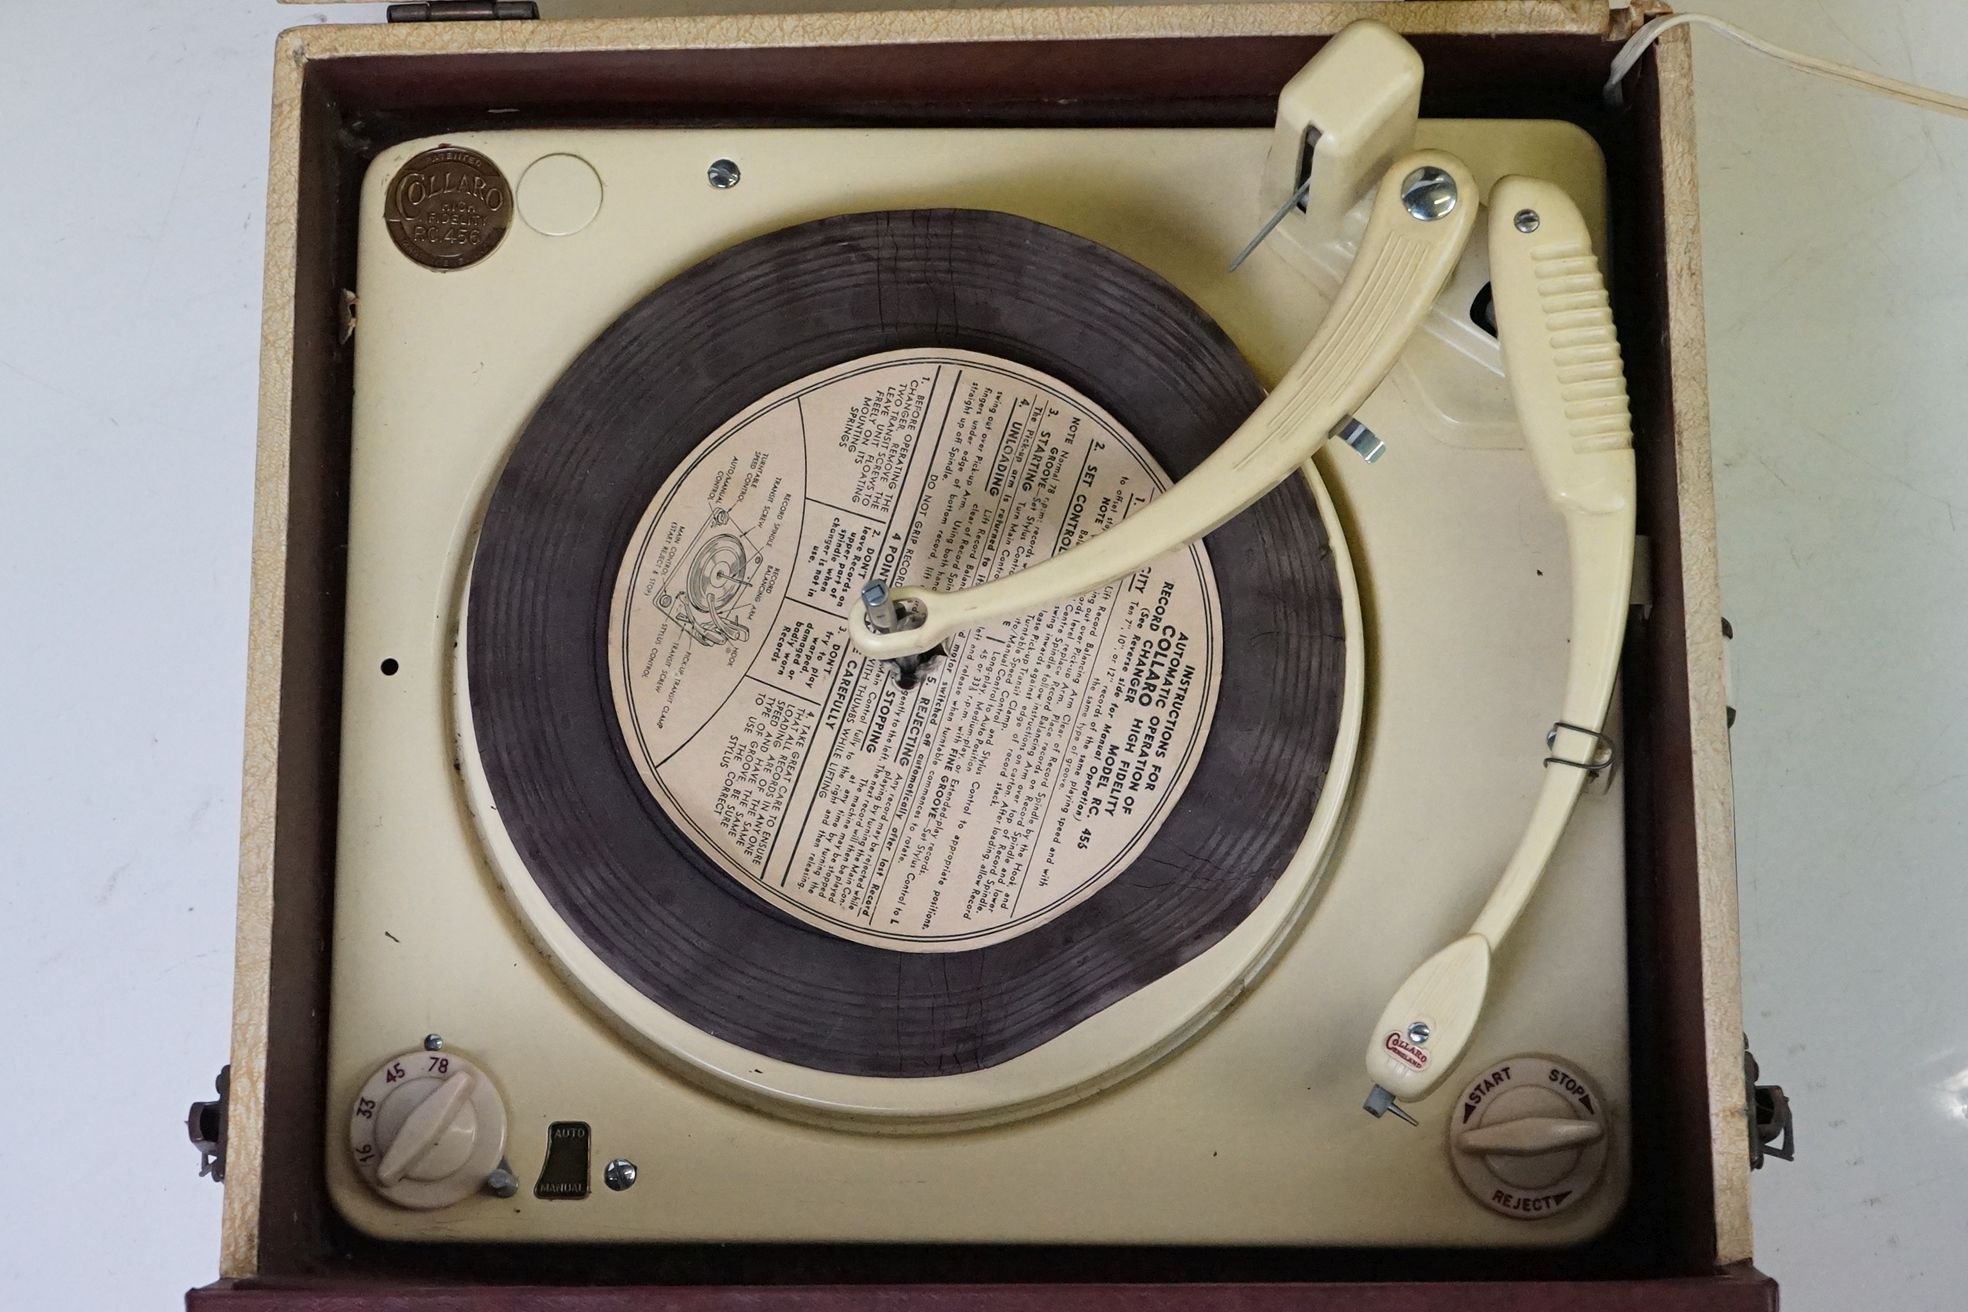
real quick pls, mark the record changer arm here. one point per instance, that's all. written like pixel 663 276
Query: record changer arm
pixel 1561 358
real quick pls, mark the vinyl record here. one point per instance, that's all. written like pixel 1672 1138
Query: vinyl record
pixel 666 916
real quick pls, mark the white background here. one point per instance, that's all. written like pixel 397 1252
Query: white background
pixel 131 181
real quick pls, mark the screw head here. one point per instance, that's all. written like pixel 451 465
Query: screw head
pixel 501 1182
pixel 1429 193
pixel 1418 1033
pixel 723 174
pixel 873 593
pixel 619 1174
pixel 433 1043
pixel 1526 221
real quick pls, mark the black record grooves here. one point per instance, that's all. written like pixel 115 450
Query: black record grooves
pixel 641 399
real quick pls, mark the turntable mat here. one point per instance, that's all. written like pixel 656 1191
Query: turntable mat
pixel 655 385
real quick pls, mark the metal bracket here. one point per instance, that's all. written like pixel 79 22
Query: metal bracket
pixel 463 11
pixel 1602 758
pixel 206 1125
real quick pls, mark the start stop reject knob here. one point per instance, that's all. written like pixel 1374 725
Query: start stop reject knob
pixel 1528 1138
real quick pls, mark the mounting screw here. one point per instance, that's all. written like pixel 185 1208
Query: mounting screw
pixel 502 1182
pixel 1418 1033
pixel 723 174
pixel 1526 221
pixel 1429 193
pixel 619 1174
pixel 433 1043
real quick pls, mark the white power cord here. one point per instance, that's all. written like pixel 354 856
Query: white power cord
pixel 1906 92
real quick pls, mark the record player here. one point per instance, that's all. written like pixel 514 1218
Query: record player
pixel 909 684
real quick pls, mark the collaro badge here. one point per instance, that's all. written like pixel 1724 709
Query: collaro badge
pixel 448 208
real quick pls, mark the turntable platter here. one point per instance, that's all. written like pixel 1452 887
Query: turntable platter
pixel 684 518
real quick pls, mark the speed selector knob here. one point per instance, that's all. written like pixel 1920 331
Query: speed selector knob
pixel 1529 1138
pixel 428 1130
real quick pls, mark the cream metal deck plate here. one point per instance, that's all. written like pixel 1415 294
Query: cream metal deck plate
pixel 1252 1133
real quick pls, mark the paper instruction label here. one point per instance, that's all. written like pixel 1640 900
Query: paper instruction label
pixel 1027 769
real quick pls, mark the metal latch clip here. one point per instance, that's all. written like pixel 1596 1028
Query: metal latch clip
pixel 206 1125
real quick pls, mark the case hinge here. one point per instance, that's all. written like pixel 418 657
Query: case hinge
pixel 462 11
pixel 1728 673
pixel 1770 1124
pixel 206 1124
pixel 1625 17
